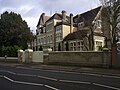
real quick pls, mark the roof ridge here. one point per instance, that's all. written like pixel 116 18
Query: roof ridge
pixel 91 10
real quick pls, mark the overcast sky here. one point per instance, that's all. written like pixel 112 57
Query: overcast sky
pixel 31 10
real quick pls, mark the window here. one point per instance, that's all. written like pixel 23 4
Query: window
pixel 58 29
pixel 44 40
pixel 73 46
pixel 80 45
pixel 58 36
pixel 98 45
pixel 41 40
pixel 81 24
pixel 48 39
pixel 49 26
pixel 99 23
pixel 51 39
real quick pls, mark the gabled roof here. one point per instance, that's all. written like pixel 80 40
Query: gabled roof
pixel 76 35
pixel 80 34
pixel 62 23
pixel 87 17
pixel 98 34
pixel 41 19
pixel 57 16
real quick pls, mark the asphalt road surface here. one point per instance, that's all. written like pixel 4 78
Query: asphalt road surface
pixel 22 78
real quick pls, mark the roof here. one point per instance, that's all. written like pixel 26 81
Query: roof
pixel 45 19
pixel 57 16
pixel 99 34
pixel 62 23
pixel 65 23
pixel 87 17
pixel 80 34
pixel 76 35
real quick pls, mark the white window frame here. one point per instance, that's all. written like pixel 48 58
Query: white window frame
pixel 99 22
pixel 97 46
pixel 73 46
pixel 80 45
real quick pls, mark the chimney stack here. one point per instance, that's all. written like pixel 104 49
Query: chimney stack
pixel 43 18
pixel 64 15
pixel 71 22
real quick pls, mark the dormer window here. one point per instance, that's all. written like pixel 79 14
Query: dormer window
pixel 99 22
pixel 81 24
pixel 97 26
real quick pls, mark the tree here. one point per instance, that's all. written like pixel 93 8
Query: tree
pixel 113 9
pixel 14 30
pixel 10 51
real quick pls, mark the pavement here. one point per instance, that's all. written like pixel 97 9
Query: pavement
pixel 102 71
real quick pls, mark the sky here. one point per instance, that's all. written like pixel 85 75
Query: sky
pixel 30 10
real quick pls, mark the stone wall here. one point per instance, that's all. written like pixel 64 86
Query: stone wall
pixel 100 59
pixel 9 59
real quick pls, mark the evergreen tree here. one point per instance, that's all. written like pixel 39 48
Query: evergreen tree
pixel 14 30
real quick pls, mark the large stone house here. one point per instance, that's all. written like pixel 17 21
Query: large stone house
pixel 90 34
pixel 48 32
pixel 86 31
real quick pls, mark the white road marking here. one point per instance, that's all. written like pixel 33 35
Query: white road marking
pixel 53 79
pixel 29 75
pixel 101 85
pixel 91 74
pixel 53 88
pixel 23 67
pixel 111 76
pixel 28 83
pixel 79 82
pixel 7 71
pixel 22 82
pixel 11 72
pixel 8 79
pixel 106 86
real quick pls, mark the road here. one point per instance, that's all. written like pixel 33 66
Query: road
pixel 22 78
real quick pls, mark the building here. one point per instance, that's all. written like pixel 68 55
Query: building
pixel 89 34
pixel 48 33
pixel 86 31
pixel 62 29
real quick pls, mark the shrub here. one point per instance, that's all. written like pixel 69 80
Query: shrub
pixel 10 51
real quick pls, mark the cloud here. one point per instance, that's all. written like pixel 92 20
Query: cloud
pixel 30 10
pixel 75 6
